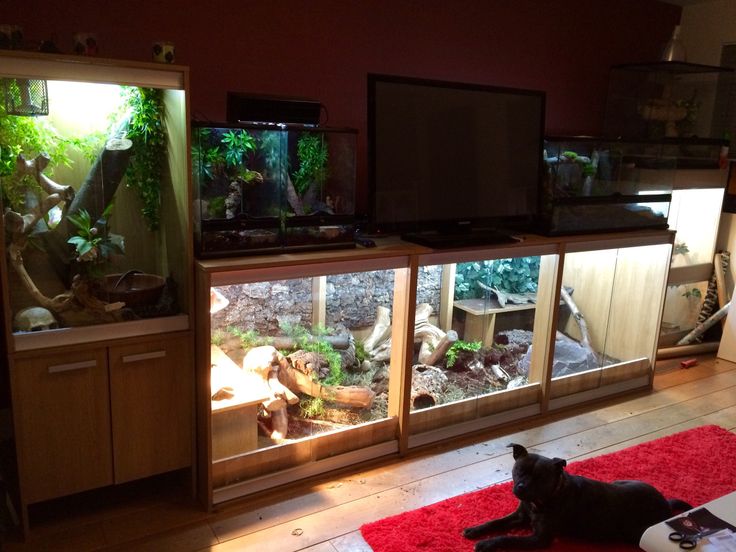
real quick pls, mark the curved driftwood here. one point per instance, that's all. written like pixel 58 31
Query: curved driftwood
pixel 578 316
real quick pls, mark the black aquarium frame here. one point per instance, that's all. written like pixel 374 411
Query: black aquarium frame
pixel 474 229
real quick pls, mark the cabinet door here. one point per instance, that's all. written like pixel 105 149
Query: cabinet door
pixel 62 420
pixel 151 397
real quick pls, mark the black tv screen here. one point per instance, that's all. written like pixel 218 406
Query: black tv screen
pixel 446 156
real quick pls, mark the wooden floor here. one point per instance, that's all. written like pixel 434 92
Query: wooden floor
pixel 325 517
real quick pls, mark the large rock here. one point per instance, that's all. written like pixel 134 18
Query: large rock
pixel 570 358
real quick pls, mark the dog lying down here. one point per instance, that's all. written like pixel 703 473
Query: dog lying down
pixel 554 503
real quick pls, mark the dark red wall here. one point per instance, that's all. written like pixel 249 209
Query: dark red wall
pixel 322 49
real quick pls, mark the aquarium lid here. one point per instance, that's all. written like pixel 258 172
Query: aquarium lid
pixel 242 107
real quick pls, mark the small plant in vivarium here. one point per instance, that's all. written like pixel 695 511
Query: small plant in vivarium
pixel 222 159
pixel 516 275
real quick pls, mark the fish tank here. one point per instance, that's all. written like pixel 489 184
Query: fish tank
pixel 668 99
pixel 92 180
pixel 598 185
pixel 268 187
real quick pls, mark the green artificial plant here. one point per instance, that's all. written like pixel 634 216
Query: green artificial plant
pixel 515 275
pixel 147 131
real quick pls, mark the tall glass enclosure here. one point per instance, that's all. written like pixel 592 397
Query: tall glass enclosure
pixel 607 332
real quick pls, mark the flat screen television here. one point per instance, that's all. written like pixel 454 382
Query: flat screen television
pixel 452 163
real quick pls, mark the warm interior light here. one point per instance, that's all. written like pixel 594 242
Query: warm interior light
pixel 83 107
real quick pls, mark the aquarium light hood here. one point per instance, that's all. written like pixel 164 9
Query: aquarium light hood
pixel 242 108
pixel 26 97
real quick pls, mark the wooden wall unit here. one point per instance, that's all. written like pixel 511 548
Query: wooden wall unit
pixel 270 465
pixel 101 400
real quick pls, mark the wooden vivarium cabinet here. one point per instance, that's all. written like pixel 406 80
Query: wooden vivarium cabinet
pixel 96 416
pixel 95 270
pixel 381 352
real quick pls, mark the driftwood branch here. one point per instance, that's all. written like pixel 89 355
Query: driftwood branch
pixel 578 316
pixel 704 326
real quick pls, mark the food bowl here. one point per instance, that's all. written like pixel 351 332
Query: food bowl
pixel 134 288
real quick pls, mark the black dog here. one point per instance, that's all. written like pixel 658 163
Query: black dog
pixel 556 503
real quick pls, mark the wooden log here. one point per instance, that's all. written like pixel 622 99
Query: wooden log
pixel 720 263
pixel 427 385
pixel 578 316
pixel 380 332
pixel 703 327
pixel 351 396
pixel 442 347
pixel 341 342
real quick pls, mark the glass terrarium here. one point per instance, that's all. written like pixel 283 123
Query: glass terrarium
pixel 91 192
pixel 607 334
pixel 266 187
pixel 667 100
pixel 476 320
pixel 695 216
pixel 301 366
pixel 594 185
pixel 238 178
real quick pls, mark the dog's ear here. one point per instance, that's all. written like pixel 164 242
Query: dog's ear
pixel 559 463
pixel 519 451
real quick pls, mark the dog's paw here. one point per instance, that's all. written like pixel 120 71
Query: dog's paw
pixel 486 545
pixel 472 532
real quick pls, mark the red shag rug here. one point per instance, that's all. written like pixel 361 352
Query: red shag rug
pixel 697 465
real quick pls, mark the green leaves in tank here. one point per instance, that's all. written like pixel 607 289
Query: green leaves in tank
pixel 93 244
pixel 516 275
pixel 32 136
pixel 147 131
pixel 237 144
pixel 311 151
pixel 460 345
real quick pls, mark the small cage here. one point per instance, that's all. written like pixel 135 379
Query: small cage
pixel 26 97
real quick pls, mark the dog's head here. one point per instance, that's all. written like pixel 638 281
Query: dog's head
pixel 536 478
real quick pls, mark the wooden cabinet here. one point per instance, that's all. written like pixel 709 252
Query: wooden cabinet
pixel 62 418
pixel 151 397
pixel 389 298
pixel 99 341
pixel 97 416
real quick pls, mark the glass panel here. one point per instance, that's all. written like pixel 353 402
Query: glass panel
pixel 475 325
pixel 695 215
pixel 608 325
pixel 594 185
pixel 297 358
pixel 682 306
pixel 91 193
pixel 263 186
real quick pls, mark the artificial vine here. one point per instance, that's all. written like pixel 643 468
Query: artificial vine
pixel 311 151
pixel 147 131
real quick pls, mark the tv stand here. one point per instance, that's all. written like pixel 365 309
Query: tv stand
pixel 452 240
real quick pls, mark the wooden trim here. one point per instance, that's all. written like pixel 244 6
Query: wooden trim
pixel 475 425
pixel 319 301
pixel 692 273
pixel 21 64
pixel 277 479
pixel 297 270
pixel 32 341
pixel 402 348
